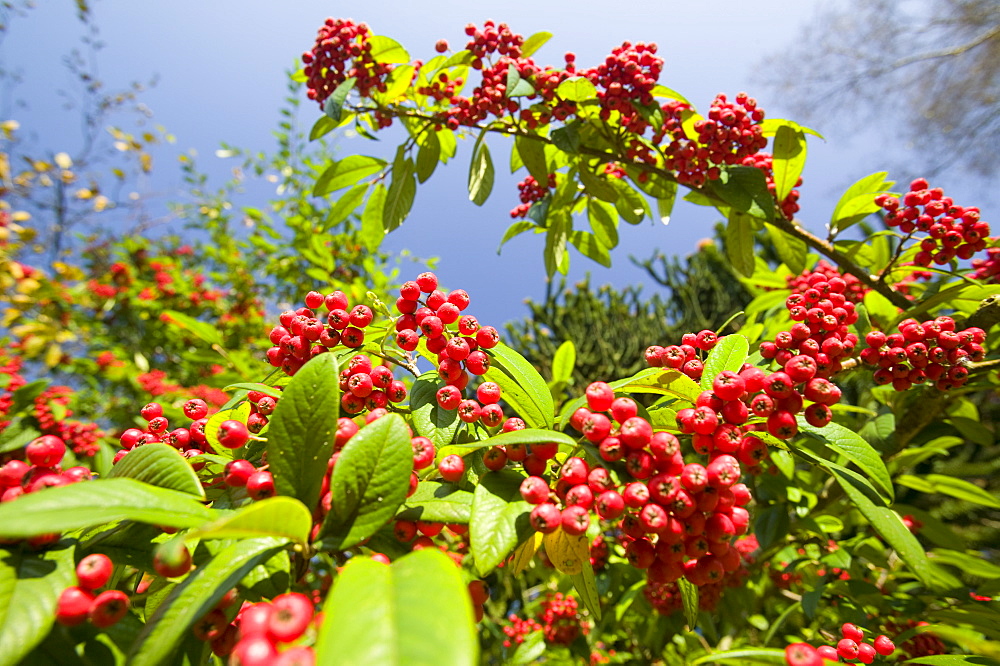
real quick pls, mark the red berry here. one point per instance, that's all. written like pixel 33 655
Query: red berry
pixel 884 646
pixel 451 468
pixel 291 615
pixel 599 397
pixel 847 648
pixel 94 571
pixel 108 608
pixel 170 563
pixel 534 490
pixel 545 518
pixel 260 485
pixel 74 606
pixel 802 654
pixel 233 434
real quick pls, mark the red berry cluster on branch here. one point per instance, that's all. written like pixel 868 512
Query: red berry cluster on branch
pixel 666 597
pixel 558 618
pixel 924 644
pixel 265 633
pixel 987 269
pixel 78 603
pixel 531 192
pixel 932 351
pixel 952 231
pixel 342 51
pixel 625 82
pixel 190 440
pixel 854 290
pixel 850 648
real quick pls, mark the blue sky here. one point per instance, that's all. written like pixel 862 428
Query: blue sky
pixel 220 67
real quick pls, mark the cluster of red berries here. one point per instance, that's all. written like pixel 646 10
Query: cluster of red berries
pixel 458 340
pixel 190 441
pixel 342 51
pixel 850 648
pixel 923 644
pixel 275 633
pixel 952 231
pixel 931 351
pixel 666 597
pixel 625 81
pixel 529 191
pixel 558 618
pixel 987 269
pixel 854 290
pixel 240 473
pixel 730 134
pixel 367 386
pixel 765 162
pixel 81 437
pixel 42 470
pixel 78 603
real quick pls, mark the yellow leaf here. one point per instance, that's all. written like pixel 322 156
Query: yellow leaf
pixel 84 193
pixel 53 355
pixel 63 160
pixel 20 216
pixel 525 553
pixel 567 553
pixel 101 202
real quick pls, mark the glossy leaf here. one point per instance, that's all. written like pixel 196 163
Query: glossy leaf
pixel 729 353
pixel 791 251
pixel 437 502
pixel 590 247
pixel 399 198
pixel 665 206
pixel 789 158
pixel 415 612
pixel 203 588
pixel 858 202
pixel 30 585
pixel 668 382
pixel 577 89
pixel 603 220
pixel 739 243
pixel 515 230
pixel 384 49
pixel 525 437
pixel 567 552
pixel 278 516
pixel 369 482
pixel 17 434
pixel 745 189
pixel 689 601
pixel 202 329
pixel 344 206
pixel 534 42
pixel 523 388
pixel 563 362
pixel 630 204
pixel 952 660
pixel 97 502
pixel 852 446
pixel 532 154
pixel 972 565
pixel 596 185
pixel 516 86
pixel 951 486
pixel 333 107
pixel 372 219
pixel 159 465
pixel 499 520
pixel 302 429
pixel 428 156
pixel 555 253
pixel 347 172
pixel 429 420
pixel 743 656
pixel 586 588
pixel 323 126
pixel 481 174
pixel 266 389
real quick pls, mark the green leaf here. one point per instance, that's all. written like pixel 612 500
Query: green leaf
pixel 853 447
pixel 556 255
pixel 499 520
pixel 603 220
pixel 416 612
pixel 791 251
pixel 323 126
pixel 665 205
pixel 596 185
pixel 743 656
pixel 30 585
pixel 203 588
pixel 858 202
pixel 369 483
pixel 789 158
pixel 17 434
pixel 534 42
pixel 437 502
pixel 951 486
pixel 523 388
pixel 428 156
pixel 302 429
pixel 272 517
pixel 516 86
pixel 344 206
pixel 526 437
pixel 952 660
pixel 399 198
pixel 630 204
pixel 429 420
pixel 689 600
pixel 347 172
pixel 590 247
pixel 729 353
pixel 97 502
pixel 972 565
pixel 207 332
pixel 533 156
pixel 577 89
pixel 252 386
pixel 563 362
pixel 890 527
pixel 745 189
pixel 333 107
pixel 397 84
pixel 739 243
pixel 372 224
pixel 586 588
pixel 159 465
pixel 384 49
pixel 567 138
pixel 480 175
pixel 515 230
pixel 530 650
